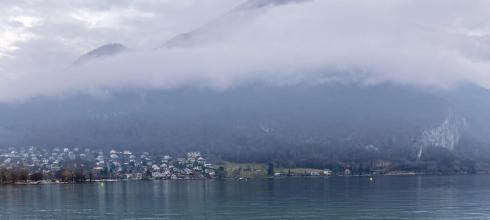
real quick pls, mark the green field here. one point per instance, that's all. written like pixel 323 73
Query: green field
pixel 245 170
pixel 297 171
pixel 256 170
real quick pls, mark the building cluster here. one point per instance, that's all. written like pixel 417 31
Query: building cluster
pixel 92 164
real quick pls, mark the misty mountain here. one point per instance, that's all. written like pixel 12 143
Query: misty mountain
pixel 226 24
pixel 102 51
pixel 260 122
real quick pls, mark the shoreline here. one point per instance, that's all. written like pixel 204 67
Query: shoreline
pixel 102 181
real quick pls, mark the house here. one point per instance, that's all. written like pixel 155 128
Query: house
pixel 314 173
pixel 327 172
pixel 347 172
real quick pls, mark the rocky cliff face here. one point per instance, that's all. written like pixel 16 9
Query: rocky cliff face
pixel 446 135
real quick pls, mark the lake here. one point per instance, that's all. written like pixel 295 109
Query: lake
pixel 387 197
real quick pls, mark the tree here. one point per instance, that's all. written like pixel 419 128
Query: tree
pixel 221 173
pixel 270 170
pixel 36 177
pixel 3 175
pixel 11 176
pixel 79 176
pixel 91 175
pixel 67 175
pixel 23 175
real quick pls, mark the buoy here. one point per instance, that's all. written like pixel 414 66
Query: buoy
pixel 370 178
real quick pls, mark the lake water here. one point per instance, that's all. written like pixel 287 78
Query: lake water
pixel 388 197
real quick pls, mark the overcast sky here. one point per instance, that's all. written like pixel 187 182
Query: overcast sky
pixel 429 43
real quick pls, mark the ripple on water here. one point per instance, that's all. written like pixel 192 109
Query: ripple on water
pixel 415 197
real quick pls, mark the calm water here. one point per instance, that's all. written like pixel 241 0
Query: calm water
pixel 397 197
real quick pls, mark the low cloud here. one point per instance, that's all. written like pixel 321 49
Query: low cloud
pixel 436 43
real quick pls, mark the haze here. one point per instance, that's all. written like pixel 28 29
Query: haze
pixel 421 43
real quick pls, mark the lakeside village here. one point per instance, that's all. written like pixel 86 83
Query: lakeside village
pixel 56 165
pixel 33 165
pixel 74 165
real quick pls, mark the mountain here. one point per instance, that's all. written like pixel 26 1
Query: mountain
pixel 261 123
pixel 226 24
pixel 102 51
pixel 255 4
pixel 300 125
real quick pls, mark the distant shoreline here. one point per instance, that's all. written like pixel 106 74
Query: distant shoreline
pixel 103 181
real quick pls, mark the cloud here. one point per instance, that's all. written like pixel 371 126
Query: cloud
pixel 71 28
pixel 436 43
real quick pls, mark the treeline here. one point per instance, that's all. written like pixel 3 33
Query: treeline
pixel 16 175
pixel 361 160
pixel 23 175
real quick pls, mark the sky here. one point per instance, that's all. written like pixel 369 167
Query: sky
pixel 437 43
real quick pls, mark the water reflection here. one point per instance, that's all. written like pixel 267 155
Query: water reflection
pixel 409 197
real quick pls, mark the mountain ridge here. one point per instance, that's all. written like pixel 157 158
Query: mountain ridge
pixel 260 123
pixel 335 119
pixel 105 50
